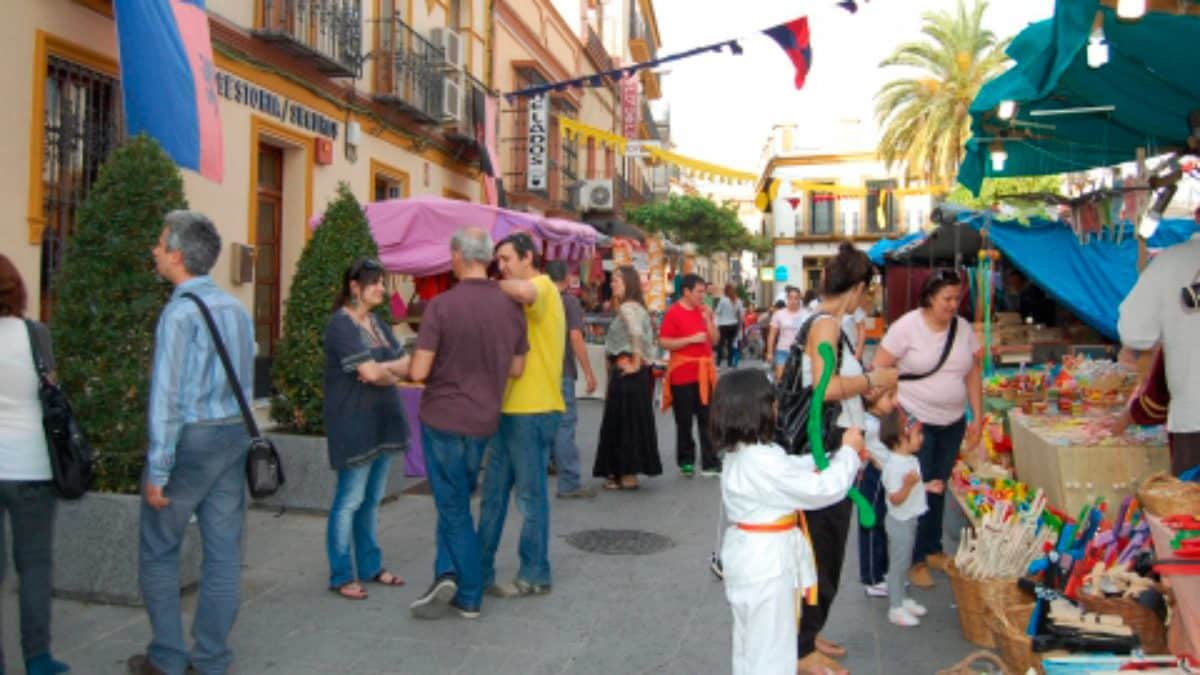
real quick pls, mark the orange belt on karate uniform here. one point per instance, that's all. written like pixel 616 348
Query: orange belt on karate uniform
pixel 791 521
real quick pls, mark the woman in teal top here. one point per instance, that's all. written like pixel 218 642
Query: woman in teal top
pixel 628 440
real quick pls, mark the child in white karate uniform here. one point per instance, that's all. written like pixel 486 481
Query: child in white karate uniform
pixel 766 554
pixel 905 503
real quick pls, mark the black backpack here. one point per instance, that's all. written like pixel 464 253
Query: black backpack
pixel 795 399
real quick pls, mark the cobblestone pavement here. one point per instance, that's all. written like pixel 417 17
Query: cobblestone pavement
pixel 661 612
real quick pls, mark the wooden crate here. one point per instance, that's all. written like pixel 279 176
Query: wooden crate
pixel 1073 476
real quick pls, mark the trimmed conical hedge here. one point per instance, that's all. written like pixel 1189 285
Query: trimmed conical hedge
pixel 108 298
pixel 298 369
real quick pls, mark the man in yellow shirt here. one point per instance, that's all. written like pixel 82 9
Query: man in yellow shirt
pixel 529 419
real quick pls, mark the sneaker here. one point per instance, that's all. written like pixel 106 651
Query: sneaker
pixel 878 590
pixel 915 608
pixel 711 473
pixel 433 603
pixel 464 611
pixel 687 470
pixel 938 561
pixel 900 617
pixel 139 664
pixel 716 567
pixel 578 493
pixel 919 576
pixel 517 588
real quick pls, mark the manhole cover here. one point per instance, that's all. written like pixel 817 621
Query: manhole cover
pixel 619 542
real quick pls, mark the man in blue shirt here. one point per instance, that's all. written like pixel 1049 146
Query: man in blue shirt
pixel 196 458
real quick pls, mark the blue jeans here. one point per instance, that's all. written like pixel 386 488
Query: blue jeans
pixel 936 456
pixel 519 455
pixel 873 541
pixel 352 517
pixel 208 480
pixel 452 464
pixel 566 453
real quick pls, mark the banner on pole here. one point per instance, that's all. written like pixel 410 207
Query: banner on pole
pixel 538 141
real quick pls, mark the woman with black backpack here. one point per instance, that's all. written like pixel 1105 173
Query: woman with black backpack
pixel 845 281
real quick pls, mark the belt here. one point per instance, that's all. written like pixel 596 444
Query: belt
pixel 789 522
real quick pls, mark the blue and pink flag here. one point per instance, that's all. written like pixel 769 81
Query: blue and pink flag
pixel 793 38
pixel 169 80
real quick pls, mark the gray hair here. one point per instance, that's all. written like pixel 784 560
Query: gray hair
pixel 194 235
pixel 474 244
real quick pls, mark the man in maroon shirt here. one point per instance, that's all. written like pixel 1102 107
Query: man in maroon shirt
pixel 689 332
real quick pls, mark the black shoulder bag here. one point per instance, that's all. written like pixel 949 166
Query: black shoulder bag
pixel 264 471
pixel 908 377
pixel 795 398
pixel 71 457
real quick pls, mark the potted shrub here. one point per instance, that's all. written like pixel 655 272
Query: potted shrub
pixel 297 374
pixel 108 299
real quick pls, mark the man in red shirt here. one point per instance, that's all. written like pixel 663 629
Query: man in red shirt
pixel 689 332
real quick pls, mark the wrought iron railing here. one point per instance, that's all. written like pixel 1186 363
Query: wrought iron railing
pixel 330 31
pixel 410 71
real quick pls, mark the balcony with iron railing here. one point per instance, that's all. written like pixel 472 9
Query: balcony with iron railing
pixel 460 129
pixel 329 32
pixel 410 72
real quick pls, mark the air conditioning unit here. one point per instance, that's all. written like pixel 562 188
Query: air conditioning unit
pixel 452 101
pixel 451 43
pixel 596 195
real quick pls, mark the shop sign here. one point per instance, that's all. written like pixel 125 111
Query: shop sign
pixel 283 109
pixel 630 112
pixel 538 140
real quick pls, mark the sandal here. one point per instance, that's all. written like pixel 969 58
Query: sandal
pixel 612 484
pixel 351 590
pixel 391 580
pixel 629 483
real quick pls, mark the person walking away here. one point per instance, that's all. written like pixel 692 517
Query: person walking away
pixel 784 325
pixel 872 541
pixel 729 319
pixel 628 438
pixel 27 493
pixel 532 407
pixel 845 279
pixel 472 341
pixel 566 452
pixel 766 551
pixel 364 424
pixel 941 378
pixel 906 501
pixel 1164 308
pixel 688 332
pixel 196 461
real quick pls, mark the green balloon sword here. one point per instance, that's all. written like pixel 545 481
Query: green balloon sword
pixel 816 440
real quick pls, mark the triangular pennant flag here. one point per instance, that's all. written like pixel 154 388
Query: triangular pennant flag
pixel 793 38
pixel 794 202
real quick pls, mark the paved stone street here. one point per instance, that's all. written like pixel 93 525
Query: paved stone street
pixel 658 613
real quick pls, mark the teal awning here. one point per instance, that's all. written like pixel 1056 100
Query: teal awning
pixel 1151 80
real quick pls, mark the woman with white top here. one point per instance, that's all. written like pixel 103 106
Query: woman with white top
pixel 729 319
pixel 27 494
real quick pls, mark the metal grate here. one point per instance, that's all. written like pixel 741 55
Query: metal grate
pixel 81 127
pixel 619 542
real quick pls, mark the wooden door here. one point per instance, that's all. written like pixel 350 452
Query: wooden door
pixel 268 231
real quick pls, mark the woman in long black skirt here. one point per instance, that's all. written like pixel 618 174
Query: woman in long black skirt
pixel 628 441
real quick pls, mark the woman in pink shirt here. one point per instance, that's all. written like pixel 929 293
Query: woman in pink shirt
pixel 937 393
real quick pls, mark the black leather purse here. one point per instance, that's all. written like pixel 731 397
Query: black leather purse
pixel 71 457
pixel 794 398
pixel 264 470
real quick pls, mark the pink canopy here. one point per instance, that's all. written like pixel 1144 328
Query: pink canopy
pixel 413 235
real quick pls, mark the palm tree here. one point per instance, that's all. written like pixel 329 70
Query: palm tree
pixel 925 118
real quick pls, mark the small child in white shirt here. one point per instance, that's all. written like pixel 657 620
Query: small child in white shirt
pixel 905 503
pixel 766 554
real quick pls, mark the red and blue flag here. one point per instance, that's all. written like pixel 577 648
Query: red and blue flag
pixel 168 79
pixel 793 38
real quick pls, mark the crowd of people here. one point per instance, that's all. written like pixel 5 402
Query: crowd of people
pixel 498 355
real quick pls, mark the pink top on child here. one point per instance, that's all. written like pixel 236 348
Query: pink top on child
pixel 941 398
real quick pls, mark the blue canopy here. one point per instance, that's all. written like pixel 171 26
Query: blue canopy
pixel 883 246
pixel 1089 279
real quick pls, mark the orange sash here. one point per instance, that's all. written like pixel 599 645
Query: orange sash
pixel 707 371
pixel 788 522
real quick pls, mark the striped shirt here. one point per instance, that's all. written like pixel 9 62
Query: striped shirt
pixel 188 383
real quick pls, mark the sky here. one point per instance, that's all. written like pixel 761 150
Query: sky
pixel 723 106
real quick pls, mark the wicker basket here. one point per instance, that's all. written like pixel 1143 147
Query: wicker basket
pixel 1164 495
pixel 1144 622
pixel 975 596
pixel 1016 648
pixel 970 665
